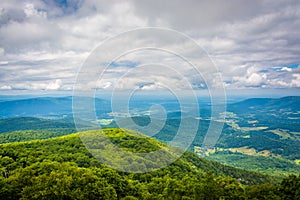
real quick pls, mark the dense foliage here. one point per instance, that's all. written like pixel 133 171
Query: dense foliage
pixel 62 168
pixel 268 165
pixel 32 123
pixel 27 135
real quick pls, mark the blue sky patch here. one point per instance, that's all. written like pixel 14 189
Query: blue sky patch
pixel 124 63
pixel 280 68
pixel 293 66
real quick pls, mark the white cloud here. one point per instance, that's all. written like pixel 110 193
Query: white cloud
pixel 43 44
pixel 296 81
pixel 30 11
pixel 1 51
pixel 54 85
pixel 286 69
pixel 252 80
pixel 5 87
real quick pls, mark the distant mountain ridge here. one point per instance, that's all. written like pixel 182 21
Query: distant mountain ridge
pixel 48 107
pixel 288 103
pixel 43 107
pixel 258 124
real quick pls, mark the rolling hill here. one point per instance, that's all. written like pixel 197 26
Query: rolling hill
pixel 289 103
pixel 62 168
pixel 33 123
pixel 261 134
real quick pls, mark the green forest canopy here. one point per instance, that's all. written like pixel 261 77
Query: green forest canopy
pixel 62 168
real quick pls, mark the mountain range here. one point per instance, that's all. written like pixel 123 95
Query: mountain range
pixel 257 132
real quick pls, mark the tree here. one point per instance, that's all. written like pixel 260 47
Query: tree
pixel 263 191
pixel 290 187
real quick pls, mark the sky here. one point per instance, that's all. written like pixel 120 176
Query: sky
pixel 253 45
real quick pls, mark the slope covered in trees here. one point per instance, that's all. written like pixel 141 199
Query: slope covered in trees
pixel 32 123
pixel 62 168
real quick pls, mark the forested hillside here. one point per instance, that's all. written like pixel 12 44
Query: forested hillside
pixel 32 123
pixel 62 168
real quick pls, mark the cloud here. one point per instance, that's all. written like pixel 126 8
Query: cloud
pixel 30 11
pixel 43 43
pixel 296 81
pixel 54 85
pixel 286 69
pixel 251 80
pixel 5 87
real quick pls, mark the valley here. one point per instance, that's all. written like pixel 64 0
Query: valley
pixel 255 130
pixel 257 151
